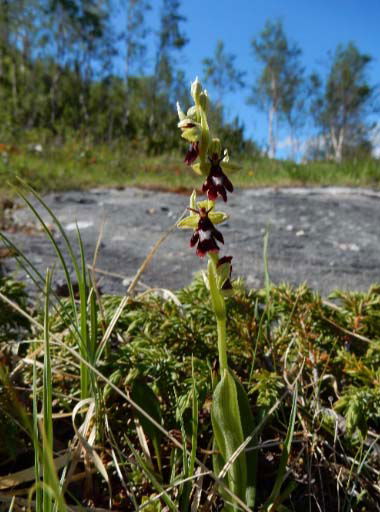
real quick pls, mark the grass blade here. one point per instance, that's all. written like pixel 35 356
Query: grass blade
pixel 36 445
pixel 47 445
pixel 285 454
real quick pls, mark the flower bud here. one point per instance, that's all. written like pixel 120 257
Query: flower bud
pixel 224 270
pixel 192 112
pixel 181 114
pixel 203 100
pixel 193 202
pixel 196 89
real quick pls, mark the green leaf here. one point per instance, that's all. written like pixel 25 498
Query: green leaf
pixel 217 464
pixel 143 395
pixel 248 426
pixel 228 432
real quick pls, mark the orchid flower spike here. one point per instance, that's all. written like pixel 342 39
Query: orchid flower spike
pixel 217 182
pixel 205 235
pixel 202 220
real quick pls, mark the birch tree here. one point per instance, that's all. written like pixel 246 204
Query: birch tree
pixel 135 43
pixel 221 72
pixel 171 40
pixel 280 66
pixel 340 104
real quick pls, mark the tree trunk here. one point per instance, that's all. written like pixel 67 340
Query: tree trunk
pixel 127 66
pixel 271 136
pixel 272 119
pixel 14 91
pixel 337 141
pixel 52 94
pixel 293 143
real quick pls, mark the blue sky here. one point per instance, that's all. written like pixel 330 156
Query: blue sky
pixel 317 26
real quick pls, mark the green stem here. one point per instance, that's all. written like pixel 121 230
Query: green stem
pixel 222 345
pixel 219 307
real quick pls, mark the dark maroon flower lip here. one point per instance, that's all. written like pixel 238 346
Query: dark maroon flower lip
pixel 206 235
pixel 217 183
pixel 192 153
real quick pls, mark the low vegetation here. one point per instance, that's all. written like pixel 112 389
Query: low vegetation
pixel 162 353
pixel 77 166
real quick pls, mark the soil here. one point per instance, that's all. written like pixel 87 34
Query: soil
pixel 328 237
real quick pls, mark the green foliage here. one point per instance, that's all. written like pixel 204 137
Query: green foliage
pixel 171 40
pixel 79 165
pixel 341 104
pixel 144 397
pixel 61 83
pixel 221 73
pixel 62 79
pixel 10 425
pixel 274 498
pixel 13 325
pixel 268 386
pixel 359 406
pixel 172 346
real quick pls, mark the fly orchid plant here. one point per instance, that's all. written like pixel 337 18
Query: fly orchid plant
pixel 231 416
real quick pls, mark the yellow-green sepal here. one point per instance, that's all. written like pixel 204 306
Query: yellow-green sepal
pixel 192 112
pixel 197 169
pixel 206 203
pixel 204 140
pixel 191 134
pixel 218 217
pixel 215 147
pixel 215 217
pixel 204 101
pixel 202 168
pixel 196 89
pixel 190 222
pixel 193 202
pixel 229 166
